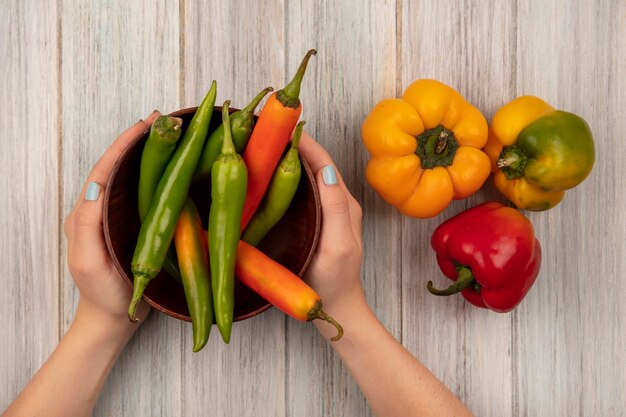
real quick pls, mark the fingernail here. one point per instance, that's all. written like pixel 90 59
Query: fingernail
pixel 328 175
pixel 93 191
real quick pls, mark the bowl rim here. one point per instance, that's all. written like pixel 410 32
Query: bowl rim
pixel 107 237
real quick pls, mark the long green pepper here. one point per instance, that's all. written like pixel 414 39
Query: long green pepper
pixel 157 152
pixel 194 268
pixel 241 125
pixel 157 229
pixel 279 195
pixel 229 177
pixel 160 146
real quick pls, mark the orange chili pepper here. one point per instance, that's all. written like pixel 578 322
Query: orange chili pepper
pixel 280 286
pixel 269 139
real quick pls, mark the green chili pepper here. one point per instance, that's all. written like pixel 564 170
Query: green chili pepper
pixel 160 146
pixel 157 229
pixel 229 178
pixel 157 152
pixel 194 268
pixel 241 124
pixel 279 194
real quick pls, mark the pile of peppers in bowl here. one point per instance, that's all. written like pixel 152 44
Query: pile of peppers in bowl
pixel 252 186
pixel 431 146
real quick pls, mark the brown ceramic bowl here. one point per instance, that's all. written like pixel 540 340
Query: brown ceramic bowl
pixel 292 242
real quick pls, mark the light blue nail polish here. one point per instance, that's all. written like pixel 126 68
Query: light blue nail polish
pixel 328 175
pixel 93 191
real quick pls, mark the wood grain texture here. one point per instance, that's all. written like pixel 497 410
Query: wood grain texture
pixel 559 353
pixel 354 68
pixel 572 334
pixel 120 61
pixel 240 44
pixel 29 258
pixel 469 47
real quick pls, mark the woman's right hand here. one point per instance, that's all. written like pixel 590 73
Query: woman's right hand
pixel 393 381
pixel 335 269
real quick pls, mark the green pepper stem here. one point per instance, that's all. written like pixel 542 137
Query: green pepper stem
pixel 168 128
pixel 317 313
pixel 289 96
pixel 512 162
pixel 291 161
pixel 464 280
pixel 227 146
pixel 436 147
pixel 295 141
pixel 249 109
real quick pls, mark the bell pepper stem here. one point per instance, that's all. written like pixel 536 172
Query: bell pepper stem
pixel 512 162
pixel 464 280
pixel 442 142
pixel 317 313
pixel 508 160
pixel 436 147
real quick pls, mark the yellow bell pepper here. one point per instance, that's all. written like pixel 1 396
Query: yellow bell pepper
pixel 538 152
pixel 425 149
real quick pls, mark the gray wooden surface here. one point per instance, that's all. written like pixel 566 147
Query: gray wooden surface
pixel 74 74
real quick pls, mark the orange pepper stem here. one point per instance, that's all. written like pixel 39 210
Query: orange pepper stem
pixel 512 162
pixel 464 280
pixel 317 313
pixel 289 96
pixel 436 147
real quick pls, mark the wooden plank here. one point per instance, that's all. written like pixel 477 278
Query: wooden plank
pixel 572 335
pixel 29 214
pixel 120 61
pixel 342 84
pixel 468 47
pixel 244 55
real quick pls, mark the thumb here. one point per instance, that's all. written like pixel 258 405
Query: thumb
pixel 87 218
pixel 336 223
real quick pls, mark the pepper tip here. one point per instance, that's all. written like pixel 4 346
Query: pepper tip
pixel 131 314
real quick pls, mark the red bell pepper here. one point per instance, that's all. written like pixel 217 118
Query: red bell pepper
pixel 491 253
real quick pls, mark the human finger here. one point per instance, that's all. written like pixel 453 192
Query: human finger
pixel 317 158
pixel 337 225
pixel 87 244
